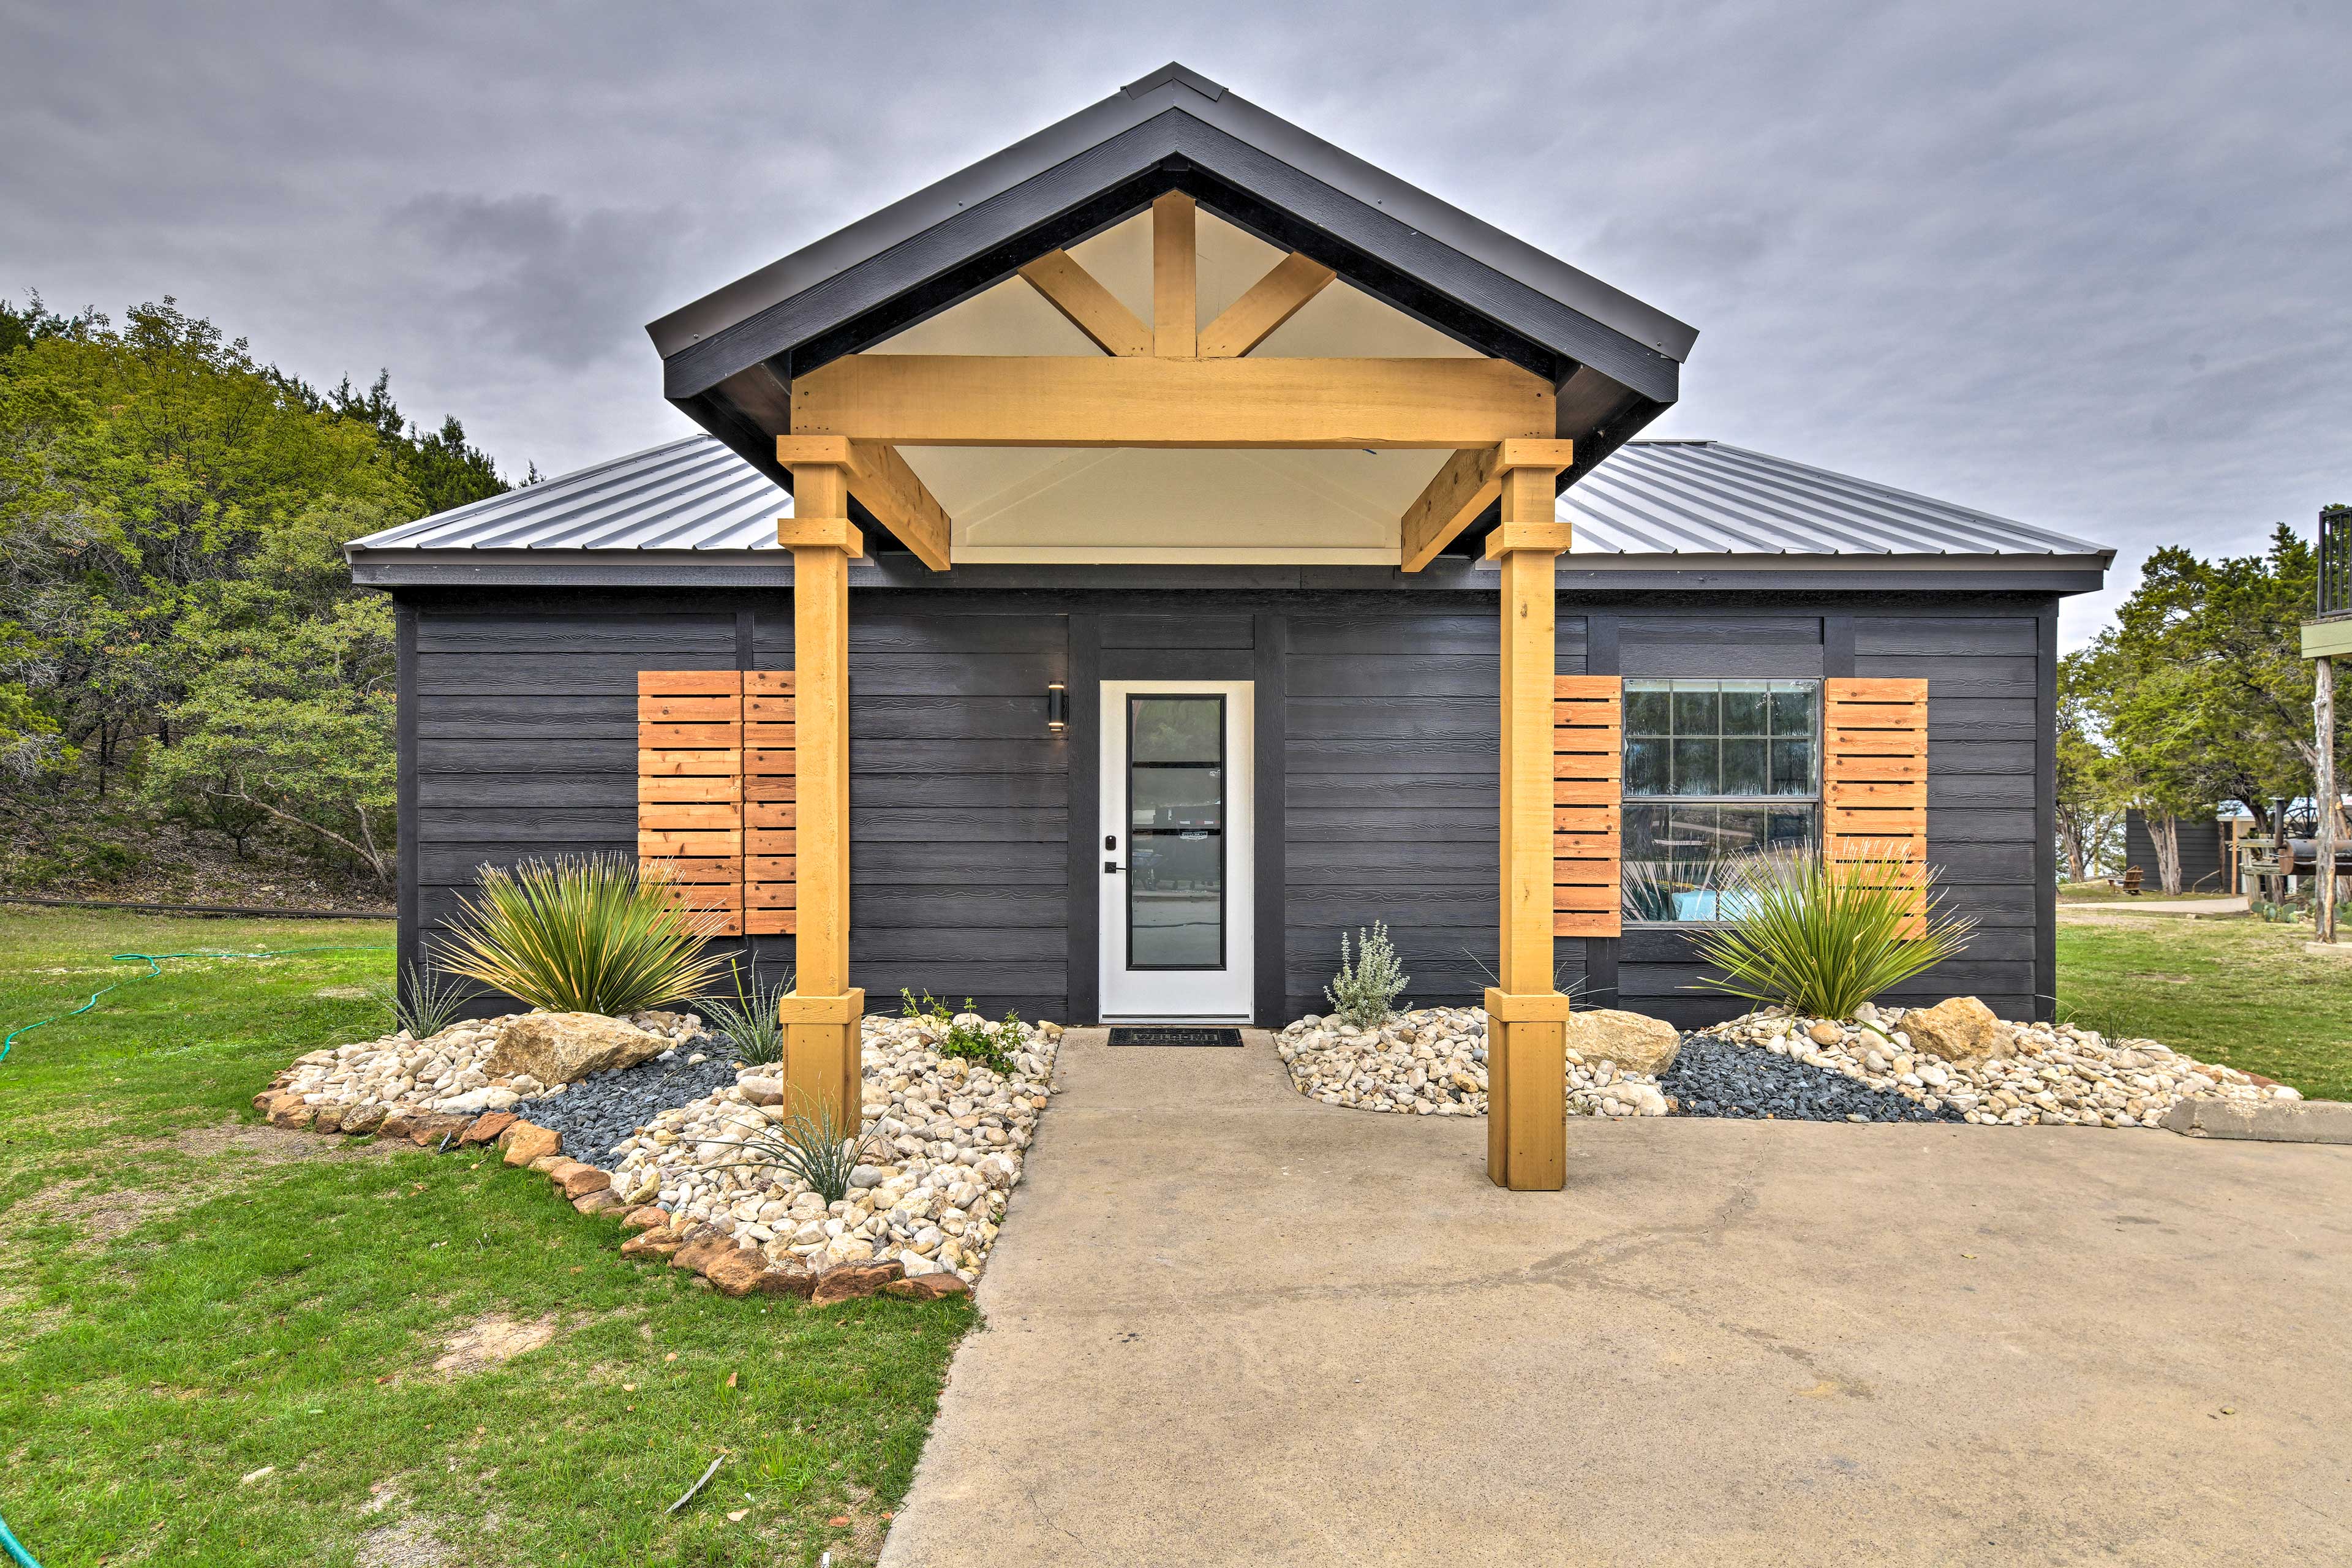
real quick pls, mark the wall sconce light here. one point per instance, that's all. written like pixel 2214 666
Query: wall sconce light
pixel 1057 707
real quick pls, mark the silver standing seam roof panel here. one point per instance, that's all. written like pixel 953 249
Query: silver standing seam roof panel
pixel 1647 501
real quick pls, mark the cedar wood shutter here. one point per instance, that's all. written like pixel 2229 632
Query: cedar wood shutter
pixel 1588 772
pixel 770 784
pixel 715 787
pixel 1875 778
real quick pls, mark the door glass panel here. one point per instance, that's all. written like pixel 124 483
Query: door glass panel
pixel 1176 832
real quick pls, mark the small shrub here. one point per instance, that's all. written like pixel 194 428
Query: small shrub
pixel 963 1041
pixel 751 1017
pixel 815 1150
pixel 1365 989
pixel 1824 938
pixel 428 1003
pixel 582 934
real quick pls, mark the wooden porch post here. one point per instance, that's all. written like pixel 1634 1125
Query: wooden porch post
pixel 821 1017
pixel 1527 1061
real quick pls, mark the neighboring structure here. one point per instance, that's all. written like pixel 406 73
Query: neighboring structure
pixel 2205 867
pixel 1174 497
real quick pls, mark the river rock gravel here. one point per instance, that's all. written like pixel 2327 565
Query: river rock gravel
pixel 597 1115
pixel 1712 1075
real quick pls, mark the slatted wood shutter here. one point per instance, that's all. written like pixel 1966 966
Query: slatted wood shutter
pixel 770 789
pixel 1588 773
pixel 690 787
pixel 1875 778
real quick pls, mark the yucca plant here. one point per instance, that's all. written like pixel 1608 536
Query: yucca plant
pixel 751 1017
pixel 1825 937
pixel 430 1001
pixel 589 933
pixel 817 1151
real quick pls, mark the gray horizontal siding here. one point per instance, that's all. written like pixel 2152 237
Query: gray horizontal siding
pixel 522 708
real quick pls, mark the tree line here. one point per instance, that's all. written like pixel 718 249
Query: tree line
pixel 2196 697
pixel 179 635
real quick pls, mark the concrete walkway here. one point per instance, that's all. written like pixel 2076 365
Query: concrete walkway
pixel 2232 904
pixel 1225 1324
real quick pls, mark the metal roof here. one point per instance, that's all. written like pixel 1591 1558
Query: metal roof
pixel 1681 498
pixel 687 494
pixel 1648 499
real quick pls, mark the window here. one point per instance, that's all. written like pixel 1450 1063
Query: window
pixel 1715 771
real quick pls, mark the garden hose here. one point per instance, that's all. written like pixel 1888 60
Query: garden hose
pixel 156 962
pixel 16 1552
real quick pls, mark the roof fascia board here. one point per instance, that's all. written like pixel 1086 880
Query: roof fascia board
pixel 399 568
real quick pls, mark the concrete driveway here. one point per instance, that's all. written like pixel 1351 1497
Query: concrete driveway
pixel 1225 1324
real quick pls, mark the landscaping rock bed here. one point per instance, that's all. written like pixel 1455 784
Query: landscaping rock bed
pixel 1432 1061
pixel 660 1140
pixel 2006 1073
pixel 1964 1064
pixel 950 1140
pixel 449 1074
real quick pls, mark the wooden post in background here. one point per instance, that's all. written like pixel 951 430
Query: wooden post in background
pixel 822 1016
pixel 1526 1044
pixel 2324 710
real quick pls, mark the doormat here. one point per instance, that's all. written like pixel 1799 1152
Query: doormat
pixel 1126 1035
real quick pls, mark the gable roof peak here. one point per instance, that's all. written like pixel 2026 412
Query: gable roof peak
pixel 1181 75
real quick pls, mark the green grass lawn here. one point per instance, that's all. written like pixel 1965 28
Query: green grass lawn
pixel 187 1298
pixel 2239 992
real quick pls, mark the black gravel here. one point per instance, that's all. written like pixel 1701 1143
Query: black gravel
pixel 1713 1077
pixel 600 1111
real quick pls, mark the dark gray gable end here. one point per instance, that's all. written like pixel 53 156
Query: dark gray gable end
pixel 728 358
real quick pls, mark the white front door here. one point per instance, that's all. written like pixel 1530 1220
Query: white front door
pixel 1176 850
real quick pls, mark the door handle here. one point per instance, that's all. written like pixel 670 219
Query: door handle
pixel 1111 865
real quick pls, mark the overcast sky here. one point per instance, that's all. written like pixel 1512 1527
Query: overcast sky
pixel 2086 267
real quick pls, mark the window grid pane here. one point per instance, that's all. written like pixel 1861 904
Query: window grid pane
pixel 1715 771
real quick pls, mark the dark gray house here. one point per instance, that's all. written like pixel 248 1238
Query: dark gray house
pixel 1193 542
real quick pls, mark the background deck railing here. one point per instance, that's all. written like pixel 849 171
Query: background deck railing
pixel 2334 562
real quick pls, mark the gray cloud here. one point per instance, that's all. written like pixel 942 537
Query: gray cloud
pixel 531 275
pixel 2082 265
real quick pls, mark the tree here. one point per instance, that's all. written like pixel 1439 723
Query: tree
pixel 2090 808
pixel 292 718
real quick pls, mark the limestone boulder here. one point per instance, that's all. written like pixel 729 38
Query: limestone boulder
pixel 1960 1030
pixel 564 1047
pixel 1635 1042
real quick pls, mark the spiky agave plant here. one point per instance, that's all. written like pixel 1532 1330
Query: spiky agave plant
pixel 752 1017
pixel 1822 936
pixel 590 933
pixel 428 1002
pixel 814 1148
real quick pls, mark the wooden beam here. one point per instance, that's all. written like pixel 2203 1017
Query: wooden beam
pixel 1469 483
pixel 1526 1063
pixel 978 400
pixel 820 1054
pixel 891 491
pixel 1270 301
pixel 1087 305
pixel 1175 278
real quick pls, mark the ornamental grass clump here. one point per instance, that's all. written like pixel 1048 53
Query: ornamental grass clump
pixel 426 1001
pixel 1365 990
pixel 752 1017
pixel 582 934
pixel 1823 938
